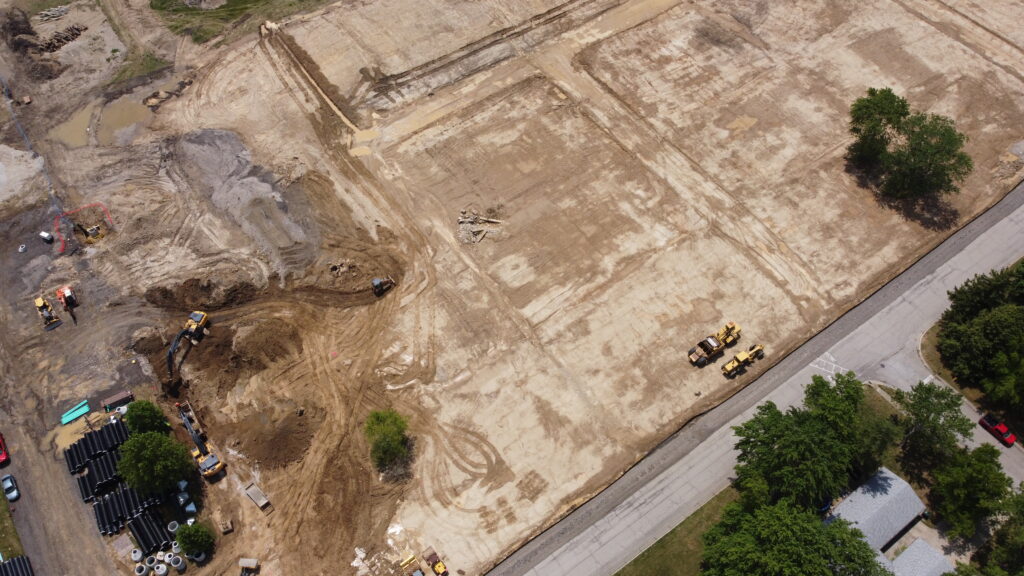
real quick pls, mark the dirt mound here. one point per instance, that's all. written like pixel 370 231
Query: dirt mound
pixel 196 294
pixel 276 440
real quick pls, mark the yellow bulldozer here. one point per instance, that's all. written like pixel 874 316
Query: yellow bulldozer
pixel 740 361
pixel 45 310
pixel 706 350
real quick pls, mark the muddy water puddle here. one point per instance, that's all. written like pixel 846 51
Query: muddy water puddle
pixel 75 130
pixel 120 120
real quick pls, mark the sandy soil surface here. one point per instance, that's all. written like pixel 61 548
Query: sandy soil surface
pixel 648 169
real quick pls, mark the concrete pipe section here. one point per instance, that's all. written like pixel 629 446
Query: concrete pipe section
pixel 141 570
pixel 136 555
pixel 160 569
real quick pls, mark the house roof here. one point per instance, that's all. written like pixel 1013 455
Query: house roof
pixel 881 508
pixel 921 559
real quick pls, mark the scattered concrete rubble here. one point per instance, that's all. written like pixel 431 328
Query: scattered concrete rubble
pixel 55 13
pixel 473 227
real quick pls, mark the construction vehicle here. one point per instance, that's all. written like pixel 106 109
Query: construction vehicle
pixel 92 233
pixel 50 318
pixel 381 286
pixel 740 361
pixel 710 347
pixel 67 298
pixel 435 562
pixel 209 464
pixel 411 567
pixel 195 328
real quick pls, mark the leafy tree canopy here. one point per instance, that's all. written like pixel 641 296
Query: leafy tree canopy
pixel 785 540
pixel 809 455
pixel 1003 555
pixel 987 352
pixel 145 416
pixel 385 429
pixel 153 462
pixel 875 120
pixel 929 159
pixel 970 488
pixel 932 423
pixel 915 154
pixel 194 539
pixel 984 292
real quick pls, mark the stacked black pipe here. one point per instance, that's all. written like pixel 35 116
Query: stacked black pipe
pixel 104 470
pixel 19 566
pixel 149 532
pixel 87 486
pixel 121 505
pixel 94 444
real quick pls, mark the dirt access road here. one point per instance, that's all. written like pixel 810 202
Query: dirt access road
pixel 646 169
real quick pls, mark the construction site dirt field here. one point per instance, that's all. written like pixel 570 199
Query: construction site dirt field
pixel 568 195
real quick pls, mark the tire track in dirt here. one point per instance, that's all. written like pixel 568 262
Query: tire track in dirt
pixel 673 167
pixel 1002 53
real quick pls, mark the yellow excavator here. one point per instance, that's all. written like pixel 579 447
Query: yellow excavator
pixel 50 318
pixel 196 327
pixel 209 464
pixel 714 344
pixel 740 361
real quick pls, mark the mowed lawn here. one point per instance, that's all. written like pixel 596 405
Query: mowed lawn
pixel 10 544
pixel 678 553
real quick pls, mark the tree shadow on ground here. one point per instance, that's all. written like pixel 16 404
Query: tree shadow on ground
pixel 930 211
pixel 401 470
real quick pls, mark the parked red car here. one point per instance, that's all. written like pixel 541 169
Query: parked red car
pixel 4 456
pixel 998 429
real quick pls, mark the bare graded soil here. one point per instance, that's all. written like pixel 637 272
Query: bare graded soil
pixel 647 169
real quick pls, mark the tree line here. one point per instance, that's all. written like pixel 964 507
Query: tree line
pixel 792 465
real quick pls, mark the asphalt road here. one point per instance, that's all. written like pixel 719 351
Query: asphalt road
pixel 878 340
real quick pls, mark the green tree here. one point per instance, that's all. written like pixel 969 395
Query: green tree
pixel 796 455
pixel 1004 552
pixel 840 403
pixel 194 539
pixel 970 488
pixel 153 462
pixel 385 429
pixel 785 540
pixel 987 352
pixel 145 416
pixel 875 121
pixel 984 292
pixel 929 160
pixel 932 424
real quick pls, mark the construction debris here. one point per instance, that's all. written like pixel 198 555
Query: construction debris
pixel 473 227
pixel 154 100
pixel 62 37
pixel 55 13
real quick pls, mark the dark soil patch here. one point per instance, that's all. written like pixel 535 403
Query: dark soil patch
pixel 270 341
pixel 196 294
pixel 278 441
